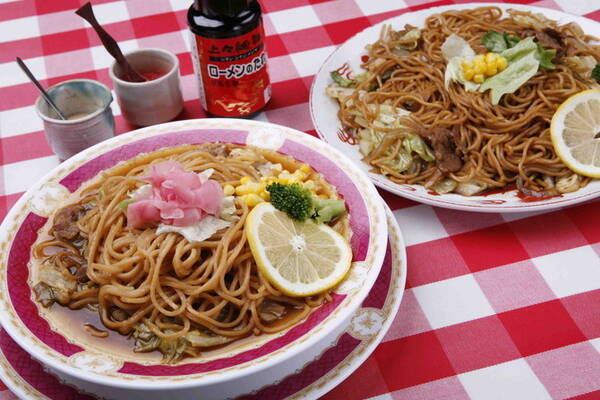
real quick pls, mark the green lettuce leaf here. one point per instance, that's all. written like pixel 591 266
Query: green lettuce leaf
pixel 545 57
pixel 494 41
pixel 523 65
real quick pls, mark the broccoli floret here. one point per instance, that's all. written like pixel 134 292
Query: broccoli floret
pixel 300 204
pixel 596 73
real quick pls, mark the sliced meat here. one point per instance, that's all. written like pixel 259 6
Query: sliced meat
pixel 65 227
pixel 216 149
pixel 573 45
pixel 270 311
pixel 447 148
pixel 548 38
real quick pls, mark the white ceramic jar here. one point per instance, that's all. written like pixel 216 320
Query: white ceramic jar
pixel 153 101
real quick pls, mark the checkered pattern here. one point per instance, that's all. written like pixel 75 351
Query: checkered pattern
pixel 496 306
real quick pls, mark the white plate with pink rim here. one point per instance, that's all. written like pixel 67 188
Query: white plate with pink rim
pixel 324 110
pixel 114 374
pixel 28 379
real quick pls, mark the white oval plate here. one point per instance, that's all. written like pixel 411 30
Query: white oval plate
pixel 324 110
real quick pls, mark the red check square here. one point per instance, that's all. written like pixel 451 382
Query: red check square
pixel 305 39
pixel 65 41
pixel 413 360
pixel 541 327
pixel 477 344
pixel 489 247
pixel 547 233
pixel 25 48
pixel 274 45
pixel 24 147
pixel 434 261
pixel 155 24
pixel 287 93
pixel 341 31
pixel 584 308
pixel 581 215
pixel 46 7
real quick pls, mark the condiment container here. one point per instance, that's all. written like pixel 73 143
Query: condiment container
pixel 230 62
pixel 156 100
pixel 86 104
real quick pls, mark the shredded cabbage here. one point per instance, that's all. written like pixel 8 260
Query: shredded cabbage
pixel 456 49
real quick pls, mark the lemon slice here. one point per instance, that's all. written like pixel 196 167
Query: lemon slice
pixel 575 132
pixel 298 258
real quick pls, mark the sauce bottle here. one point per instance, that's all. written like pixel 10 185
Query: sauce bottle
pixel 229 56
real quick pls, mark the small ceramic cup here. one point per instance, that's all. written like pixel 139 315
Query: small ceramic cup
pixel 154 101
pixel 86 105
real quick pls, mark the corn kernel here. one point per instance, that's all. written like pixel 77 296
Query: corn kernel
pixel 501 63
pixel 310 185
pixel 468 74
pixel 479 67
pixel 466 64
pixel 299 175
pixel 285 174
pixel 478 78
pixel 305 168
pixel 491 70
pixel 479 58
pixel 245 189
pixel 491 57
pixel 252 199
pixel 228 190
pixel 266 196
pixel 245 179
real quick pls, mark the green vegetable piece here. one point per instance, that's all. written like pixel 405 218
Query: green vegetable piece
pixel 596 73
pixel 545 57
pixel 125 203
pixel 327 209
pixel 494 41
pixel 521 49
pixel 300 204
pixel 341 80
pixel 511 40
pixel 293 199
pixel 512 78
pixel 414 144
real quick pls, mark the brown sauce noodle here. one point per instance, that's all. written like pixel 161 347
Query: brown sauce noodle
pixel 170 284
pixel 502 142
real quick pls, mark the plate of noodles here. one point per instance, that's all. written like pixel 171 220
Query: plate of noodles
pixel 367 328
pixel 452 106
pixel 186 256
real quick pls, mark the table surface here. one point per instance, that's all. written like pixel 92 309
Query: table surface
pixel 496 305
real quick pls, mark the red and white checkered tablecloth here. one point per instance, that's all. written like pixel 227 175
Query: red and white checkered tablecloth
pixel 496 306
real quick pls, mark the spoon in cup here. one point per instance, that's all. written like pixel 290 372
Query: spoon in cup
pixel 110 44
pixel 40 88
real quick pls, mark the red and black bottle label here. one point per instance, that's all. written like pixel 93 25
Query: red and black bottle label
pixel 232 73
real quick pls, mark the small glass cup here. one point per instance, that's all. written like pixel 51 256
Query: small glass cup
pixel 86 105
pixel 154 101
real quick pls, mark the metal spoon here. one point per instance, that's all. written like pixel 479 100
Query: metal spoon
pixel 110 44
pixel 40 88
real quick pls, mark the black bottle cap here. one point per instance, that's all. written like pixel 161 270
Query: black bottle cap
pixel 221 8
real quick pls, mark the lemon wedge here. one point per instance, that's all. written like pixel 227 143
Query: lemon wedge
pixel 298 258
pixel 575 132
